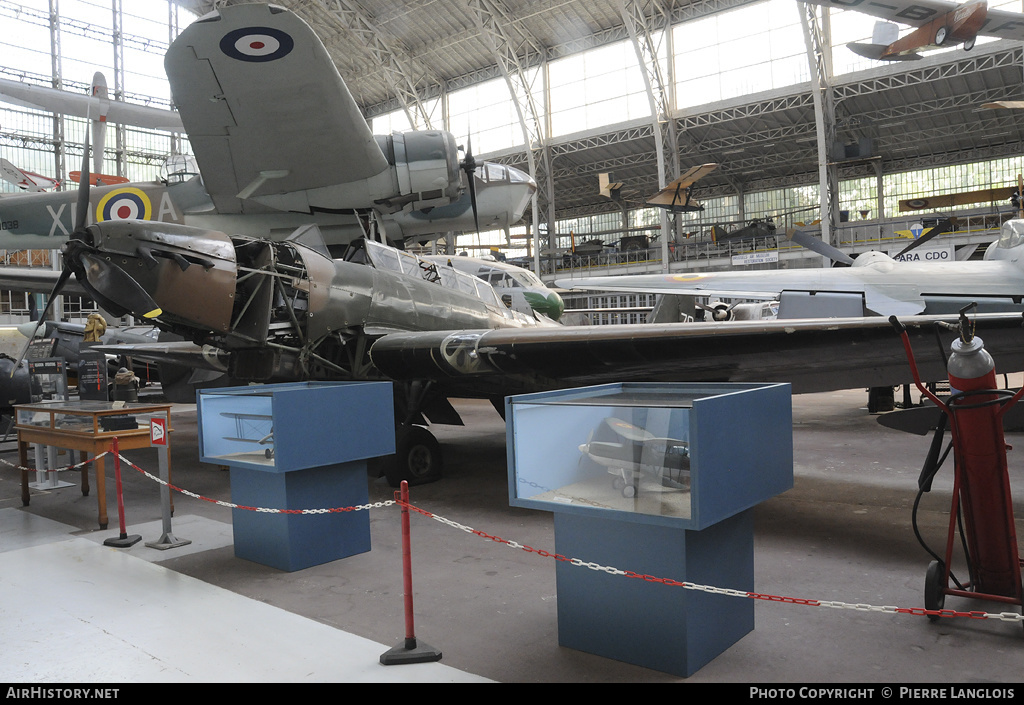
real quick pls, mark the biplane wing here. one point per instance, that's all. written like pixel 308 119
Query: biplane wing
pixel 676 195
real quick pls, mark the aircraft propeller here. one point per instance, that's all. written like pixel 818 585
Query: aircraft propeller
pixel 942 227
pixel 469 165
pixel 805 239
pixel 109 285
pixel 720 311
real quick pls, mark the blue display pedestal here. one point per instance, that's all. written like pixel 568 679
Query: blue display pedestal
pixel 296 447
pixel 667 628
pixel 658 480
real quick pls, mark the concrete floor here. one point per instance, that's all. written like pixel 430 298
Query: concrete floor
pixel 198 613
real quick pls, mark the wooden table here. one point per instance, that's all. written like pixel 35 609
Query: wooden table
pixel 80 425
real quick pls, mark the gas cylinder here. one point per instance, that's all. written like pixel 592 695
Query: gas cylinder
pixel 981 468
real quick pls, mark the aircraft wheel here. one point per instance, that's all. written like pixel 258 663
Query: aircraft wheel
pixel 940 35
pixel 417 458
pixel 934 590
pixel 629 491
pixel 969 44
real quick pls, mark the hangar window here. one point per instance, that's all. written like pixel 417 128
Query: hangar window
pixel 599 87
pixel 487 112
pixel 753 48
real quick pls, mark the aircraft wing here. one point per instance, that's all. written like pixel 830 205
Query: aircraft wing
pixel 915 13
pixel 265 108
pixel 908 12
pixel 889 288
pixel 671 194
pixel 1003 24
pixel 177 352
pixel 84 105
pixel 813 355
pixel 36 280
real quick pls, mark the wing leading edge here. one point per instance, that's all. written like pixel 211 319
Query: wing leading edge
pixel 812 355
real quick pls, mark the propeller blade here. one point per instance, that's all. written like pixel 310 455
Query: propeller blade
pixel 469 166
pixel 82 208
pixel 814 244
pixel 61 281
pixel 116 285
pixel 942 227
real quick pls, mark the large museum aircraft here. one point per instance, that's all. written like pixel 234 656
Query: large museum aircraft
pixel 284 310
pixel 279 142
pixel 938 24
pixel 874 283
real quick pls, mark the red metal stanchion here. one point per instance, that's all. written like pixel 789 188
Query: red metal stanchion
pixel 409 651
pixel 124 541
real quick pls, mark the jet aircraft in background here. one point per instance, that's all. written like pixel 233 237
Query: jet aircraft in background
pixel 937 24
pixel 280 142
pixel 873 284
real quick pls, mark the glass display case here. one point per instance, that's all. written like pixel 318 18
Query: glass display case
pixel 659 479
pixel 102 419
pixel 689 454
pixel 296 425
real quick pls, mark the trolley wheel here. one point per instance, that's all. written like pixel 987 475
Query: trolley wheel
pixel 629 491
pixel 934 589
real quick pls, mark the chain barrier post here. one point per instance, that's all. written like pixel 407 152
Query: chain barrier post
pixel 123 541
pixel 409 651
pixel 158 439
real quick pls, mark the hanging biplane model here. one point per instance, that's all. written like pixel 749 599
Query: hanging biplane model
pixel 676 197
pixel 250 113
pixel 937 24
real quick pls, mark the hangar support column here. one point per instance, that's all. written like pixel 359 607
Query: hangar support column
pixel 819 56
pixel 641 20
pixel 514 58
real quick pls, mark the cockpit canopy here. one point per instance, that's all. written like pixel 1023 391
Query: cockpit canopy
pixel 178 168
pixel 1011 234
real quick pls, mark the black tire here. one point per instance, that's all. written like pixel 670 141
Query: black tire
pixel 969 44
pixel 934 588
pixel 417 458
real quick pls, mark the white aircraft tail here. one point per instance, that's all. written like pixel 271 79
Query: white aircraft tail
pixel 885 33
pixel 99 123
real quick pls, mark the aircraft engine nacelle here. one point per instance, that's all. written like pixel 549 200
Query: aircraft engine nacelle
pixel 189 271
pixel 427 167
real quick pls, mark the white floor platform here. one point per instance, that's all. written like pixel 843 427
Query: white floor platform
pixel 76 611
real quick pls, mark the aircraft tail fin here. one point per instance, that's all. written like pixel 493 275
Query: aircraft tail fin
pixel 875 51
pixel 885 33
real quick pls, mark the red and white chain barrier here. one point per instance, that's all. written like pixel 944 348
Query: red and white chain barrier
pixel 833 604
pixel 76 466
